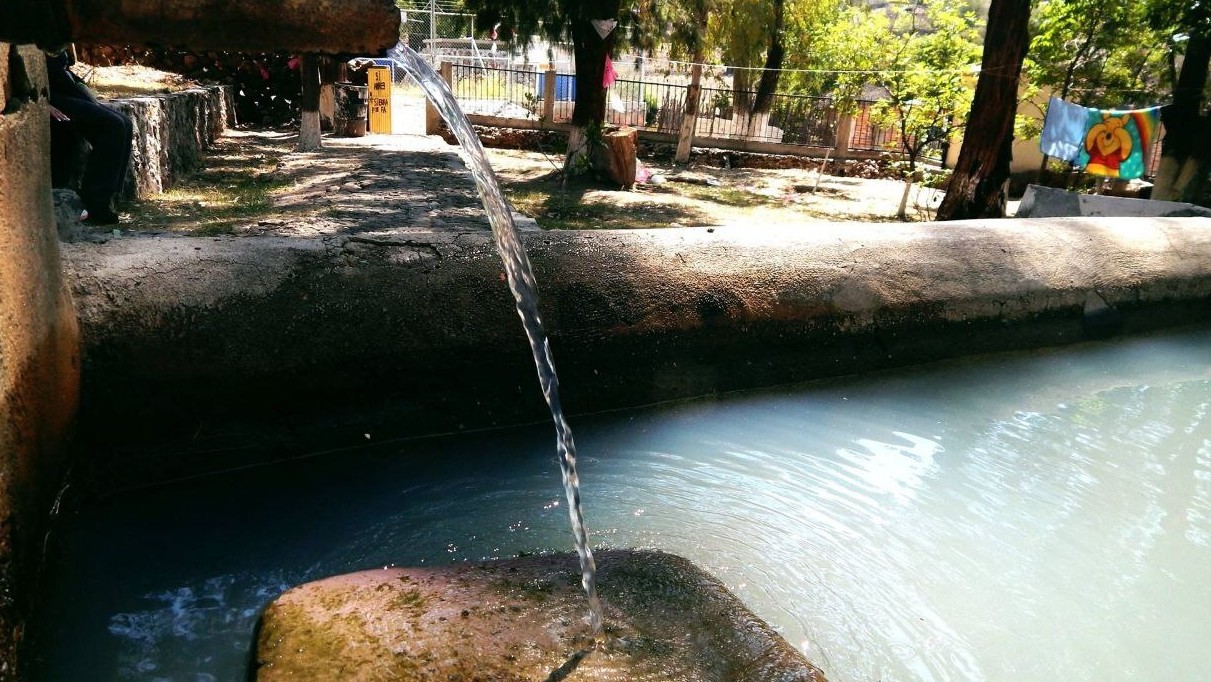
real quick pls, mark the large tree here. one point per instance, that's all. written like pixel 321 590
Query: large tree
pixel 979 186
pixel 562 21
pixel 1186 153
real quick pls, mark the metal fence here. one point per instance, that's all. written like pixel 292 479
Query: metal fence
pixel 646 105
pixel 433 20
pixel 509 93
pixel 794 120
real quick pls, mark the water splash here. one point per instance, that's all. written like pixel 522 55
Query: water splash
pixel 525 293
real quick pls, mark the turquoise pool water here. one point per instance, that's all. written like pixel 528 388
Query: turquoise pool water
pixel 1043 516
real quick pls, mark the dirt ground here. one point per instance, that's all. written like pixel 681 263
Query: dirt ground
pixel 255 180
pixel 711 195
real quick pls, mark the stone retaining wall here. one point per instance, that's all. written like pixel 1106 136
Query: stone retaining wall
pixel 264 85
pixel 171 132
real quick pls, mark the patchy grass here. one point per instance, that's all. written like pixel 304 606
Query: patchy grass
pixel 202 208
pixel 556 208
pixel 235 186
pixel 728 196
pixel 254 180
pixel 584 204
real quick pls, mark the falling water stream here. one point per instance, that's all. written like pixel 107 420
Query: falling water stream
pixel 525 293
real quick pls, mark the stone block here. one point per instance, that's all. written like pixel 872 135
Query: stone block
pixel 523 619
pixel 1049 202
pixel 170 133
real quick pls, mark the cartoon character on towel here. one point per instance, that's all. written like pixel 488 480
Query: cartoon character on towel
pixel 1117 142
pixel 1108 144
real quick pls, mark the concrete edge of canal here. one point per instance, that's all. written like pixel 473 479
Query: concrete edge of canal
pixel 203 354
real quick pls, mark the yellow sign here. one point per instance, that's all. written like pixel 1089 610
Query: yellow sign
pixel 380 99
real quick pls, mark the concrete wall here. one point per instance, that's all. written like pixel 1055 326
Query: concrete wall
pixel 39 341
pixel 309 343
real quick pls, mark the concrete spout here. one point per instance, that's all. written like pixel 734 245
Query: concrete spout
pixel 320 26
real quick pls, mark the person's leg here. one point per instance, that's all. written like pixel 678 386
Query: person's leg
pixel 121 173
pixel 66 150
pixel 109 133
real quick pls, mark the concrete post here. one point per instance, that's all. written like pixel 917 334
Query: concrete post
pixel 433 119
pixel 689 121
pixel 332 71
pixel 845 135
pixel 548 95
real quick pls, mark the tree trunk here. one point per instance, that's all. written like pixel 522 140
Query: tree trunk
pixel 978 188
pixel 590 51
pixel 689 120
pixel 768 85
pixel 1186 150
pixel 742 93
pixel 309 126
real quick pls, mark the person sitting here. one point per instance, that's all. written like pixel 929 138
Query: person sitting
pixel 107 130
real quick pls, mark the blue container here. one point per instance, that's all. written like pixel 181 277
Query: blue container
pixel 565 87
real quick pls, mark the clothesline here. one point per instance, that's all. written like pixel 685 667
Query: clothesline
pixel 971 70
pixel 1112 143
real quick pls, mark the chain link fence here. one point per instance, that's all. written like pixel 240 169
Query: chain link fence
pixel 439 32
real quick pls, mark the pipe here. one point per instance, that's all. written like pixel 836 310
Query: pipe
pixel 318 26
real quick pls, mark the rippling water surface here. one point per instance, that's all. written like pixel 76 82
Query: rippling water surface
pixel 1041 517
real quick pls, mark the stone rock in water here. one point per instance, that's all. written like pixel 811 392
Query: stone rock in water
pixel 523 619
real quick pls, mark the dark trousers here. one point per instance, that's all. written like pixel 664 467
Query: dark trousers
pixel 110 133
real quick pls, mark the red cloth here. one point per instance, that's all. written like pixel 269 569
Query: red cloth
pixel 610 74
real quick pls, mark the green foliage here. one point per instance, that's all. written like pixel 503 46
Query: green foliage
pixel 922 53
pixel 739 32
pixel 551 20
pixel 685 25
pixel 931 81
pixel 1102 53
pixel 842 51
pixel 651 108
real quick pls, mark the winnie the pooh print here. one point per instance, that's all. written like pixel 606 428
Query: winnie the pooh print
pixel 1108 144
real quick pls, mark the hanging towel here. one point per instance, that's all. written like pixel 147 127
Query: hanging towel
pixel 610 74
pixel 1064 129
pixel 1117 142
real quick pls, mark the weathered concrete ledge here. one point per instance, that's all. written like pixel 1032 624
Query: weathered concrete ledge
pixel 1050 202
pixel 39 347
pixel 523 619
pixel 418 334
